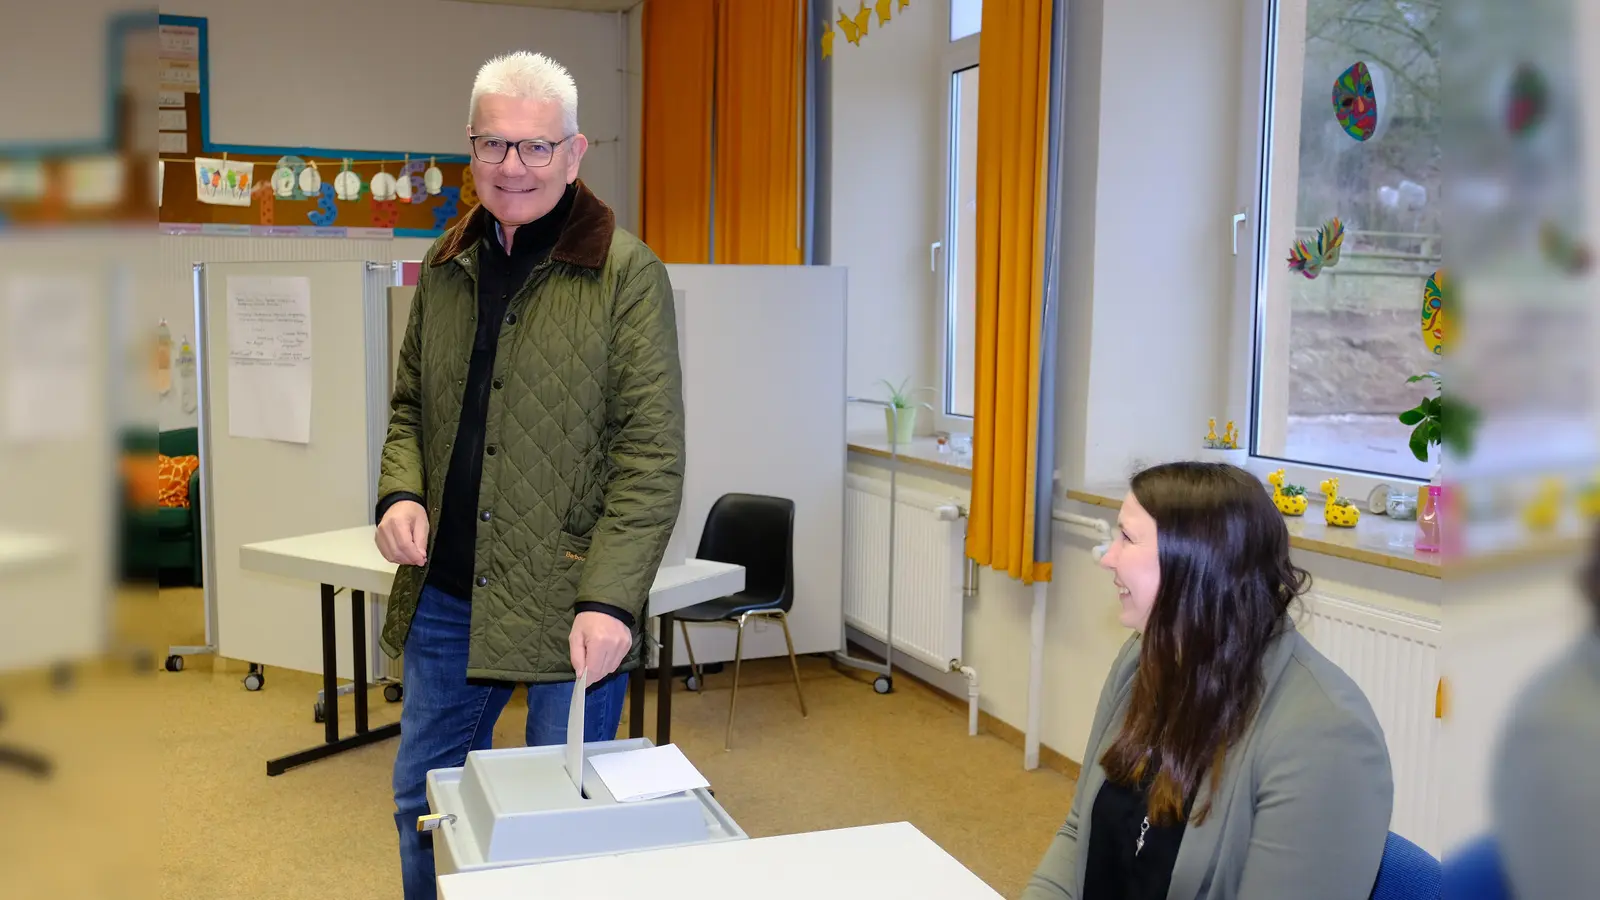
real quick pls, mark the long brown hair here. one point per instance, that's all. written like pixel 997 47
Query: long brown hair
pixel 1226 585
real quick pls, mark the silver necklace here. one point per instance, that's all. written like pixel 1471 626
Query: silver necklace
pixel 1139 844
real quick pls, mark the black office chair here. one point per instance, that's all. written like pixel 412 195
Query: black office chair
pixel 756 532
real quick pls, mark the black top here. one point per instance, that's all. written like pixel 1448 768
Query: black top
pixel 501 276
pixel 1117 868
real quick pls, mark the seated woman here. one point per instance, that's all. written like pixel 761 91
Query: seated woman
pixel 1228 759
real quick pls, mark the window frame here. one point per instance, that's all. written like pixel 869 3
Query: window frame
pixel 1262 107
pixel 958 56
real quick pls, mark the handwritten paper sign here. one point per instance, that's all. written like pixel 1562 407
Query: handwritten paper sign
pixel 223 182
pixel 269 357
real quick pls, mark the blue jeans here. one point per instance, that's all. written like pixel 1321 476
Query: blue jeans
pixel 444 716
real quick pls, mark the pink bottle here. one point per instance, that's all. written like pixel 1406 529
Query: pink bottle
pixel 1428 520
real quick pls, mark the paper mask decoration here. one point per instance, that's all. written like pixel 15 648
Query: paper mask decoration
pixel 222 182
pixel 1355 102
pixel 1528 102
pixel 1310 258
pixel 1433 313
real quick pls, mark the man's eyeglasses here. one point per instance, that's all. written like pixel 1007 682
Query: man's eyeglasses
pixel 534 154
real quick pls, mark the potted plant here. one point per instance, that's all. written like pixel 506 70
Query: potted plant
pixel 1225 448
pixel 1435 423
pixel 900 421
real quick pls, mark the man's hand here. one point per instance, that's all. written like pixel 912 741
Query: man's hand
pixel 598 643
pixel 402 536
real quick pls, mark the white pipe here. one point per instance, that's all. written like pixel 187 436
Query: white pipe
pixel 1030 746
pixel 972 694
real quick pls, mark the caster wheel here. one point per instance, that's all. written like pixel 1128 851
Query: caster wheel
pixel 61 676
pixel 255 681
pixel 883 684
pixel 318 713
pixel 692 683
pixel 174 663
pixel 393 693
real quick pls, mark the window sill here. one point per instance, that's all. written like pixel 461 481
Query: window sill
pixel 922 453
pixel 1376 540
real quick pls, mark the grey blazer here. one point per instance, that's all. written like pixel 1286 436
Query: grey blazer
pixel 1305 798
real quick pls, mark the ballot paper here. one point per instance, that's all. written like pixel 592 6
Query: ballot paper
pixel 575 730
pixel 634 775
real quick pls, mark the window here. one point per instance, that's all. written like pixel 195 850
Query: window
pixel 966 18
pixel 960 240
pixel 1351 131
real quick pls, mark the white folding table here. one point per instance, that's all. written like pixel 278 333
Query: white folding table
pixel 880 862
pixel 349 558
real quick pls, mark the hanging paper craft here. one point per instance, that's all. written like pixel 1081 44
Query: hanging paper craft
pixel 445 211
pixel 385 213
pixel 1528 102
pixel 1433 318
pixel 827 39
pixel 433 179
pixel 310 180
pixel 347 184
pixel 1355 102
pixel 863 18
pixel 186 375
pixel 222 182
pixel 266 203
pixel 469 193
pixel 883 12
pixel 163 358
pixel 408 183
pixel 283 178
pixel 382 186
pixel 1310 258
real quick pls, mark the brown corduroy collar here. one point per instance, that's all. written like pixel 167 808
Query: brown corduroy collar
pixel 585 239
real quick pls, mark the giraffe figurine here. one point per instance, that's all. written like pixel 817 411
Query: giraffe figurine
pixel 1338 512
pixel 1211 432
pixel 1289 499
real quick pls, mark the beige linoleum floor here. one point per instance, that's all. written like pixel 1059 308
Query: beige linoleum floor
pixel 161 782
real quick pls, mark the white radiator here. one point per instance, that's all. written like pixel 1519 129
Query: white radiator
pixel 1394 658
pixel 928 558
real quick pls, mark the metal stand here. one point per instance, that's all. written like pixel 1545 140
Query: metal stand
pixel 332 743
pixel 884 683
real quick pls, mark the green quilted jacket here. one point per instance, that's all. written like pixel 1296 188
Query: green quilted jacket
pixel 586 476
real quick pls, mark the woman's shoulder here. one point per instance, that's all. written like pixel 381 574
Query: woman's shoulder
pixel 1315 700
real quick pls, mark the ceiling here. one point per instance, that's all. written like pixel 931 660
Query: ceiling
pixel 585 5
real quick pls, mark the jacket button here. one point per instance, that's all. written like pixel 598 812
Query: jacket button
pixel 489 449
pixel 483 580
pixel 485 515
pixel 511 318
pixel 498 384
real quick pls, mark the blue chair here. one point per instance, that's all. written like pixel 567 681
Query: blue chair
pixel 1474 872
pixel 1407 872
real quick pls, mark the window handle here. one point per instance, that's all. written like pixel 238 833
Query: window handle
pixel 933 256
pixel 1237 218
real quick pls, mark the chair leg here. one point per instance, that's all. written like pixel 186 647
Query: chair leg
pixel 794 665
pixel 694 668
pixel 733 699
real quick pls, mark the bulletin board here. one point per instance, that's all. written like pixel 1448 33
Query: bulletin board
pixel 209 188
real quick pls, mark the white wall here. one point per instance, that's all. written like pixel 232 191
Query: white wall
pixel 888 113
pixel 391 77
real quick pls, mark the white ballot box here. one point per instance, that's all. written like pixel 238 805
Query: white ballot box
pixel 519 805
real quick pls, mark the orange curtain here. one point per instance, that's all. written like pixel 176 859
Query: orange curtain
pixel 679 67
pixel 1013 126
pixel 760 101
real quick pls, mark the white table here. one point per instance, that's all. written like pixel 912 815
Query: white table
pixel 349 558
pixel 874 862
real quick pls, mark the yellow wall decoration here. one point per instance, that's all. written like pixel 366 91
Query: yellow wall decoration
pixel 857 26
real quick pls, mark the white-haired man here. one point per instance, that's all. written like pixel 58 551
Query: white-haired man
pixel 533 468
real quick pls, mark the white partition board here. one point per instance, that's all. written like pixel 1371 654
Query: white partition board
pixel 764 394
pixel 258 490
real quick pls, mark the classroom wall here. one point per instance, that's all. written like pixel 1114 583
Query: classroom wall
pixel 396 77
pixel 887 185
